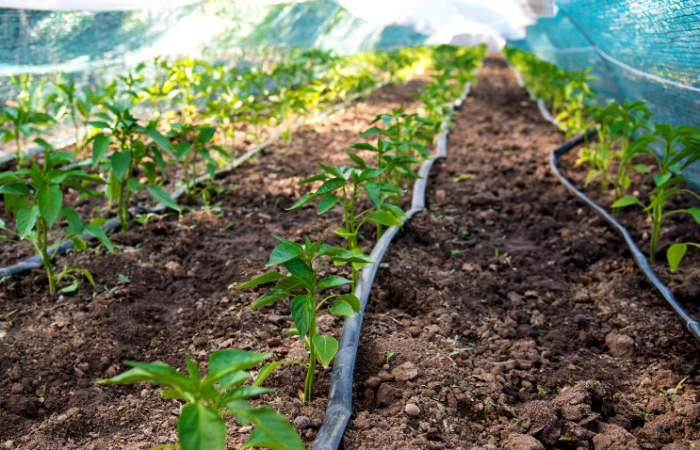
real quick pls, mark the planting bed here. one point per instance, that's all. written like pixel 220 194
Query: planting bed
pixel 563 340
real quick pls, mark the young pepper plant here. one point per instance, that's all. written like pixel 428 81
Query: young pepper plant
pixel 681 147
pixel 201 424
pixel 132 153
pixel 35 197
pixel 303 263
pixel 187 153
pixel 349 183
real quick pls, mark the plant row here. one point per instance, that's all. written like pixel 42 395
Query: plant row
pixel 369 191
pixel 194 106
pixel 624 133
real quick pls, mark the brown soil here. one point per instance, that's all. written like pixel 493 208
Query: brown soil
pixel 515 316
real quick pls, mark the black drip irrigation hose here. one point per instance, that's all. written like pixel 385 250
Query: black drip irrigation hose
pixel 34 262
pixel 691 324
pixel 339 408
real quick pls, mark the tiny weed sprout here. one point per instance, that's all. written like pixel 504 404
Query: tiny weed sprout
pixel 389 355
pixel 303 263
pixel 35 197
pixel 201 424
pixel 349 182
pixel 672 394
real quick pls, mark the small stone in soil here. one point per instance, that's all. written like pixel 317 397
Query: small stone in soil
pixel 302 422
pixel 581 320
pixel 412 410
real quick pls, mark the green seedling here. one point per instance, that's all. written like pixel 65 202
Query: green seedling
pixel 195 146
pixel 672 395
pixel 200 424
pixel 389 355
pixel 303 263
pixel 24 117
pixel 121 126
pixel 344 185
pixel 35 197
pixel 681 149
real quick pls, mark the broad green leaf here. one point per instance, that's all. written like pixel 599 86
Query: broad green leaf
pixel 26 220
pixel 695 212
pixel 244 392
pixel 163 197
pixel 121 163
pixel 262 279
pixel 352 257
pixel 182 150
pixel 626 201
pixel 171 394
pixel 78 243
pixel 317 177
pixel 353 301
pixel 272 429
pixel 330 186
pixel 163 374
pixel 675 254
pixel 14 188
pixel 374 193
pixel 342 308
pixel 100 145
pixel 641 168
pixel 332 281
pixel 326 347
pixel 327 202
pixel 384 218
pixel 98 124
pixel 303 310
pixel 97 232
pixel 201 428
pixel 50 199
pixel 270 297
pixel 363 146
pixel 289 284
pixel 300 270
pixel 160 140
pixel 283 253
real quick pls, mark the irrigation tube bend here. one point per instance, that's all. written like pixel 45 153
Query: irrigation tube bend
pixel 339 408
pixel 691 324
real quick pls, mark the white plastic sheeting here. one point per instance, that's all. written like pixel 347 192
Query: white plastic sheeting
pixel 464 22
pixel 92 5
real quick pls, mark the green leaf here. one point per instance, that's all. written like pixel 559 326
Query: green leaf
pixel 50 199
pixel 14 188
pixel 384 218
pixel 100 145
pixel 327 202
pixel 303 200
pixel 283 253
pixel 332 281
pixel 130 376
pixel 342 232
pixel 182 150
pixel 26 220
pixel 300 270
pixel 163 374
pixel 163 197
pixel 626 201
pixel 272 430
pixel 231 360
pixel 121 163
pixel 265 371
pixel 695 212
pixel 244 392
pixel 78 243
pixel 641 168
pixel 201 428
pixel 97 232
pixel 675 254
pixel 317 177
pixel 270 297
pixel 326 348
pixel 330 186
pixel 342 308
pixel 262 279
pixel 303 310
pixel 160 140
pixel 353 301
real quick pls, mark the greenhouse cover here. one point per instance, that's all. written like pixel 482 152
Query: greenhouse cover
pixel 640 50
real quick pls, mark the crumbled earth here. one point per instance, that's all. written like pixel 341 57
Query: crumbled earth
pixel 505 315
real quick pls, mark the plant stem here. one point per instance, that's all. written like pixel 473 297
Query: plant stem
pixel 656 217
pixel 311 372
pixel 42 231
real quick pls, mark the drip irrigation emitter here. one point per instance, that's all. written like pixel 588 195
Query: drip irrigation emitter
pixel 339 408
